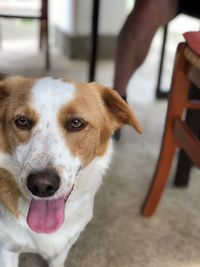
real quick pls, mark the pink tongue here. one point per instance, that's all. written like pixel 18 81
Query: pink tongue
pixel 46 216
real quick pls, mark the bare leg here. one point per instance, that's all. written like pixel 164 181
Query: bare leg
pixel 136 35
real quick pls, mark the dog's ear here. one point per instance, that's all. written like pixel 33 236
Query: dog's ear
pixel 4 91
pixel 3 76
pixel 119 111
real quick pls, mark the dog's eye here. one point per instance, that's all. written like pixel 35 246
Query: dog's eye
pixel 23 123
pixel 75 124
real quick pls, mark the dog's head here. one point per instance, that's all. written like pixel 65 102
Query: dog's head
pixel 50 130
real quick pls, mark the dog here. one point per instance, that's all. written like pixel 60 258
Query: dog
pixel 55 146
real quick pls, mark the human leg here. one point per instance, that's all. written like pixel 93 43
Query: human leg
pixel 136 35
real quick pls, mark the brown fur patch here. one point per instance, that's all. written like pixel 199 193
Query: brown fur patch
pixel 14 101
pixel 91 141
pixel 104 111
pixel 9 192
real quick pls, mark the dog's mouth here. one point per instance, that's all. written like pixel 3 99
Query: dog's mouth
pixel 47 216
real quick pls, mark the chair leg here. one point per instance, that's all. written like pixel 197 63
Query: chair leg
pixel 47 56
pixel 44 41
pixel 162 171
pixel 183 170
pixel 41 41
pixel 44 32
pixel 179 90
pixel 159 93
pixel 94 41
pixel 1 34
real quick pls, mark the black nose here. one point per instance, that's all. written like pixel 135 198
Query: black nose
pixel 43 184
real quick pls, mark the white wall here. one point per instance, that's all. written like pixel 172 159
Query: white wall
pixel 74 16
pixel 61 14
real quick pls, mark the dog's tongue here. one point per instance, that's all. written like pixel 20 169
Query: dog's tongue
pixel 46 216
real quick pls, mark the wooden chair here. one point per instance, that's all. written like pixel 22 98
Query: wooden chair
pixel 191 9
pixel 41 15
pixel 177 133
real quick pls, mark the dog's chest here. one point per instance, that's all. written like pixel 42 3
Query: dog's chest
pixel 76 218
pixel 18 236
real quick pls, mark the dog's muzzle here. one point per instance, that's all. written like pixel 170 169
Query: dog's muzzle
pixel 46 215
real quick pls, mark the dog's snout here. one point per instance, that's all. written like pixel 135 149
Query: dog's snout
pixel 43 184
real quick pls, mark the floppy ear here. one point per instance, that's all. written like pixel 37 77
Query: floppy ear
pixel 4 96
pixel 119 110
pixel 4 92
pixel 9 192
pixel 3 76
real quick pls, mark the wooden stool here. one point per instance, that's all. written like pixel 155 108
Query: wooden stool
pixel 177 133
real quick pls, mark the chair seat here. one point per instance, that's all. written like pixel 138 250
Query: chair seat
pixel 193 41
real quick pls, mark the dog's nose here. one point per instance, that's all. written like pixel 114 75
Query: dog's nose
pixel 43 184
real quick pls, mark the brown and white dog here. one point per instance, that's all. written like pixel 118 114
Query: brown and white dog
pixel 55 145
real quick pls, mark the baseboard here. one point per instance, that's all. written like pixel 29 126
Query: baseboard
pixel 79 47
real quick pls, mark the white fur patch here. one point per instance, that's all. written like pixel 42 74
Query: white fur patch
pixel 47 146
pixel 50 94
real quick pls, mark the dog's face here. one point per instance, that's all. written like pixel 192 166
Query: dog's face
pixel 51 130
